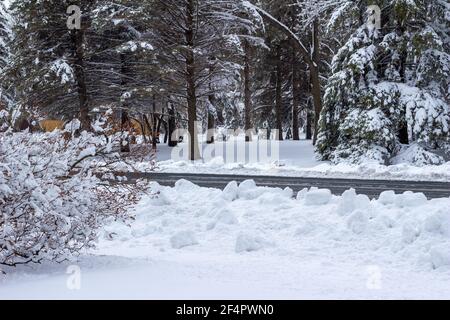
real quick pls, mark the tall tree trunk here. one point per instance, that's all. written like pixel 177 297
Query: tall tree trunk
pixel 194 152
pixel 125 123
pixel 166 130
pixel 247 93
pixel 309 121
pixel 315 79
pixel 279 97
pixel 173 141
pixel 80 78
pixel 211 124
pixel 296 95
pixel 154 125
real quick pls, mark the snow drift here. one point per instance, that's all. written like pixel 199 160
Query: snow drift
pixel 404 229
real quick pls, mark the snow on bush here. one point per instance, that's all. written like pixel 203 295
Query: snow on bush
pixel 418 156
pixel 51 202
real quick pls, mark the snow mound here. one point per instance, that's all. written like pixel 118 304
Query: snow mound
pixel 438 223
pixel 358 221
pixel 231 191
pixel 317 197
pixel 350 201
pixel 225 216
pixel 183 185
pixel 410 199
pixel 406 229
pixel 248 190
pixel 387 197
pixel 183 239
pixel 440 256
pixel 248 243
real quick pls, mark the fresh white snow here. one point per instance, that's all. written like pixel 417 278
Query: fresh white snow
pixel 296 158
pixel 189 242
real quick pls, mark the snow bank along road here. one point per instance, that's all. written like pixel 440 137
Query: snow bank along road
pixel 250 242
pixel 371 188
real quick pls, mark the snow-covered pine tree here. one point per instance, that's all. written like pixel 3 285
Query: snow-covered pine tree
pixel 5 39
pixel 390 87
pixel 49 70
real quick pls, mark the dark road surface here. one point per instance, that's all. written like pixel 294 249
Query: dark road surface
pixel 371 188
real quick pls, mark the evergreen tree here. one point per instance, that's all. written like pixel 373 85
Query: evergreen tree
pixel 390 86
pixel 5 54
pixel 48 69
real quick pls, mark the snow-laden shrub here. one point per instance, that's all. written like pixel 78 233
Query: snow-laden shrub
pixel 417 155
pixel 50 200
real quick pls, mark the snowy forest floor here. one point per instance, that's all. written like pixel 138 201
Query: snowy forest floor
pixel 296 158
pixel 249 242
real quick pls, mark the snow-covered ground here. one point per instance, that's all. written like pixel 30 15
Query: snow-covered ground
pixel 252 242
pixel 296 158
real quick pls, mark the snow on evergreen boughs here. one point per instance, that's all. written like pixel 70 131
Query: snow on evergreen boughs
pixel 401 74
pixel 6 37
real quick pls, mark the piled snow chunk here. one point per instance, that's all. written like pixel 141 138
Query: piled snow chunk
pixel 183 239
pixel 231 191
pixel 410 199
pixel 274 196
pixel 183 185
pixel 288 192
pixel 248 190
pixel 358 221
pixel 410 232
pixel 317 197
pixel 347 202
pixel 438 223
pixel 225 216
pixel 440 256
pixel 160 196
pixel 387 197
pixel 302 193
pixel 247 243
pixel 306 227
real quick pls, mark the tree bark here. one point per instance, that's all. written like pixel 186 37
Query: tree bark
pixel 279 97
pixel 125 123
pixel 296 95
pixel 247 93
pixel 80 78
pixel 211 125
pixel 315 79
pixel 154 125
pixel 309 120
pixel 194 152
pixel 173 142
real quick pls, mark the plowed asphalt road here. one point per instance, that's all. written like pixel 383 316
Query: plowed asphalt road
pixel 371 188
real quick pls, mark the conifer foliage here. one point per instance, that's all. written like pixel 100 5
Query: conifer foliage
pixel 390 87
